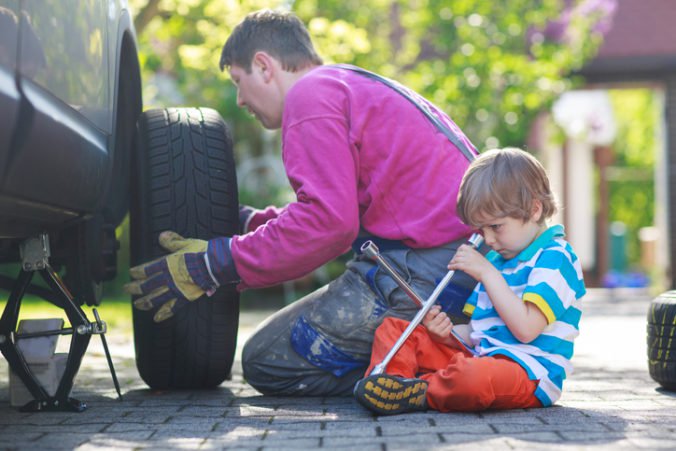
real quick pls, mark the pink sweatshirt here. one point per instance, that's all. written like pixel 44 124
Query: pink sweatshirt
pixel 357 154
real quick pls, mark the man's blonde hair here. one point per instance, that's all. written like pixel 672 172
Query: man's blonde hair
pixel 504 183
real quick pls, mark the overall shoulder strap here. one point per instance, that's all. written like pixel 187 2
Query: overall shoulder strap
pixel 452 137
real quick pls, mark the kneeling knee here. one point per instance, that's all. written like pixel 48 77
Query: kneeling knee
pixel 255 372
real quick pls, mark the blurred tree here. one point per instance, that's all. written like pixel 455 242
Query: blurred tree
pixel 179 50
pixel 631 178
pixel 491 65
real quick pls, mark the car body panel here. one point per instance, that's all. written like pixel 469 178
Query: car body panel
pixel 9 93
pixel 64 50
pixel 61 159
pixel 58 102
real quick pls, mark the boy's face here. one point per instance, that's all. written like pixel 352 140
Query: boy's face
pixel 509 236
pixel 256 93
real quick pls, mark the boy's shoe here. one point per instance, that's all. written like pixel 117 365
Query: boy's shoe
pixel 389 395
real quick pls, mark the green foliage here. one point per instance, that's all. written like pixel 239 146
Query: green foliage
pixel 115 312
pixel 485 63
pixel 631 183
pixel 488 64
pixel 179 49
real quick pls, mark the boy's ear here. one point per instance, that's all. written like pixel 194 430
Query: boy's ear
pixel 536 211
pixel 263 63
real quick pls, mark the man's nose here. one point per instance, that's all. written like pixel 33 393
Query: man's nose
pixel 240 102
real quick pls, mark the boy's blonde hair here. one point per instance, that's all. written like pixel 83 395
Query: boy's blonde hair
pixel 504 183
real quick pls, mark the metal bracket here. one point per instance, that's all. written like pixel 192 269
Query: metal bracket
pixel 35 255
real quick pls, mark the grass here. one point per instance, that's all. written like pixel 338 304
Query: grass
pixel 115 313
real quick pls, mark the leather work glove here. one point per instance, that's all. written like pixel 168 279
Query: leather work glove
pixel 193 268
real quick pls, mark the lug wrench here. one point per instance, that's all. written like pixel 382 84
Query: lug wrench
pixel 371 250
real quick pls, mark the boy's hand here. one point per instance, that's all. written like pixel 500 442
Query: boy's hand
pixel 438 324
pixel 469 260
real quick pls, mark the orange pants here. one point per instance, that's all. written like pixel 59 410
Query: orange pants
pixel 457 380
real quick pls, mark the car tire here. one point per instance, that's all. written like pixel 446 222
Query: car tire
pixel 662 340
pixel 184 180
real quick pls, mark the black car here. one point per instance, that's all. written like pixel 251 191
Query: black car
pixel 77 154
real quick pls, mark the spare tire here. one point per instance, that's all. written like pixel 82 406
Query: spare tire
pixel 662 340
pixel 184 180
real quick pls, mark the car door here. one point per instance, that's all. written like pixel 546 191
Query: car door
pixel 9 94
pixel 59 156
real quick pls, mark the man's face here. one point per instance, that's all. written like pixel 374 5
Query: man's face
pixel 258 95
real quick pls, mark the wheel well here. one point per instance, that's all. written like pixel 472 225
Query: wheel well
pixel 130 71
pixel 127 109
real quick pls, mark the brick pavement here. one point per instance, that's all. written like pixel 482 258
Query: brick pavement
pixel 609 403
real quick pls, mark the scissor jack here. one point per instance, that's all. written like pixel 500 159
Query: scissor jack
pixel 35 255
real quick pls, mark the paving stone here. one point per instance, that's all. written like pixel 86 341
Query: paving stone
pixel 291 443
pixel 291 424
pixel 239 432
pixel 532 438
pixel 9 438
pixel 61 440
pixel 182 429
pixel 395 429
pixel 414 440
pixel 357 443
pixel 609 403
pixel 215 444
pixel 577 427
pixel 371 446
pixel 351 428
pixel 230 424
pixel 592 437
pixel 109 440
pixel 57 429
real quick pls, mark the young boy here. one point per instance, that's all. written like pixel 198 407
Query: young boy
pixel 524 311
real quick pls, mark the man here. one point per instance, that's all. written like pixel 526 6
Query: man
pixel 365 162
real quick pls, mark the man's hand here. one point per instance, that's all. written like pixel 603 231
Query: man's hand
pixel 169 283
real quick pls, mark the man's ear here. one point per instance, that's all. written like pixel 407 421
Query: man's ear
pixel 263 63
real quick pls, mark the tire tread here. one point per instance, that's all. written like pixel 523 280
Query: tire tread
pixel 661 340
pixel 186 182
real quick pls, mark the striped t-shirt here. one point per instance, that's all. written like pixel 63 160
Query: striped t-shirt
pixel 548 274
